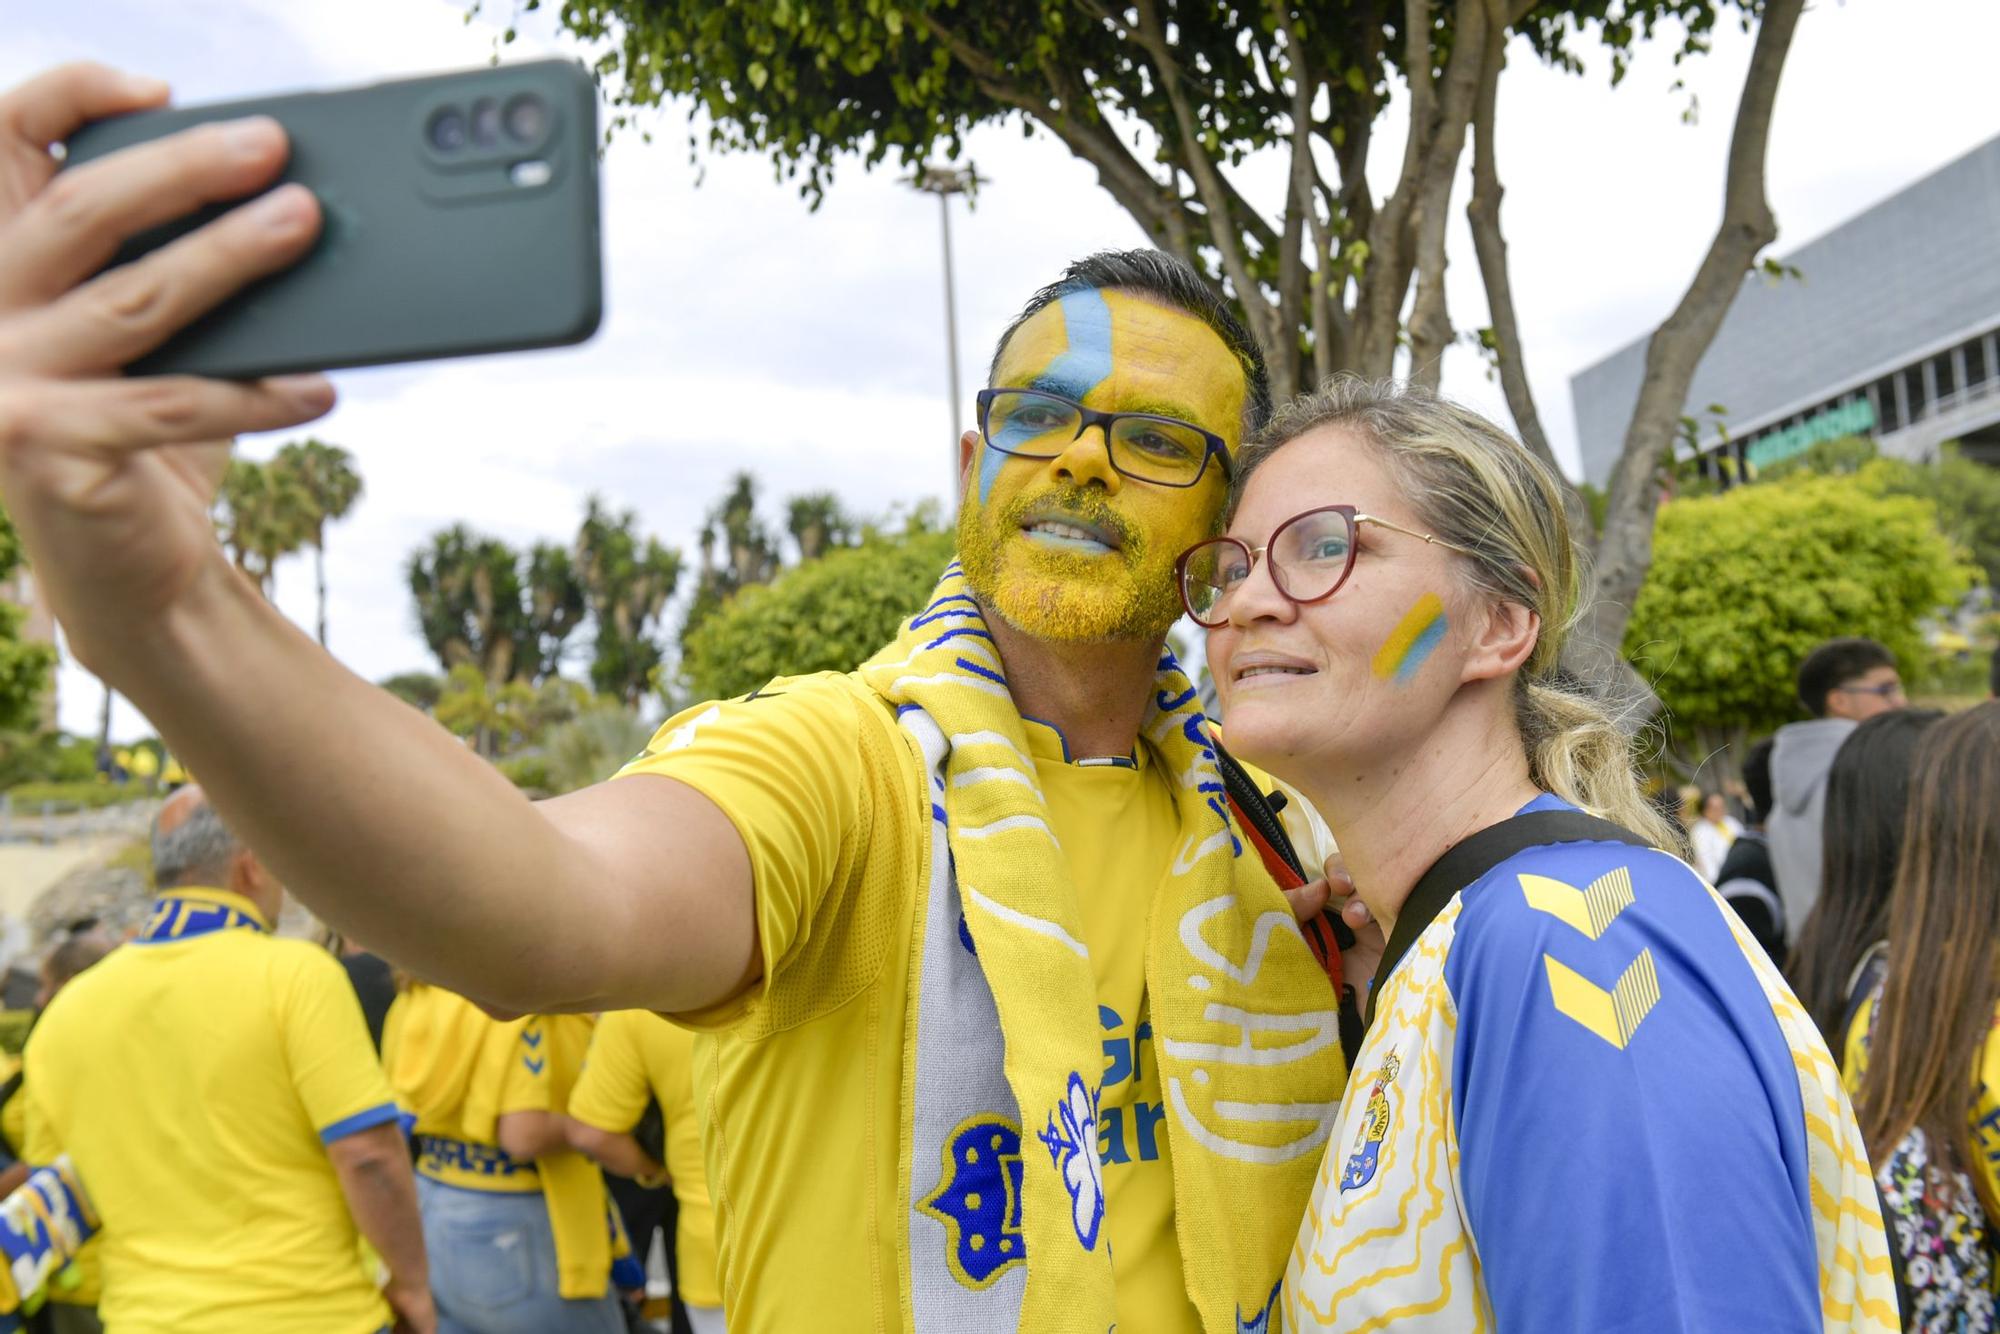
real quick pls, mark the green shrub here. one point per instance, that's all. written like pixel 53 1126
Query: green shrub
pixel 529 772
pixel 92 795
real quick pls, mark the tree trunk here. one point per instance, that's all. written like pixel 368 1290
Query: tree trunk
pixel 319 575
pixel 104 724
pixel 1676 348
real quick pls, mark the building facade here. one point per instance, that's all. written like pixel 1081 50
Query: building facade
pixel 1887 326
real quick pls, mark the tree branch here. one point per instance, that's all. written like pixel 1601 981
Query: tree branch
pixel 1430 321
pixel 1488 242
pixel 1386 280
pixel 1676 348
pixel 1217 198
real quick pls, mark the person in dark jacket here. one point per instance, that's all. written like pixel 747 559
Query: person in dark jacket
pixel 1746 879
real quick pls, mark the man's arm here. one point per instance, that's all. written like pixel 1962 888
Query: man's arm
pixel 374 1170
pixel 616 1153
pixel 529 1135
pixel 634 894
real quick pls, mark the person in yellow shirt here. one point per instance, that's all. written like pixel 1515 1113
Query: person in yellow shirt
pixel 72 1295
pixel 215 1090
pixel 517 1223
pixel 636 1057
pixel 877 892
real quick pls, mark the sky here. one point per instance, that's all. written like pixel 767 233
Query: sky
pixel 744 330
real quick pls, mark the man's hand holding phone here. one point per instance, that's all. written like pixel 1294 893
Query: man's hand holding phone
pixel 110 479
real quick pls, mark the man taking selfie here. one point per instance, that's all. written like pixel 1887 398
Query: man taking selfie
pixel 987 971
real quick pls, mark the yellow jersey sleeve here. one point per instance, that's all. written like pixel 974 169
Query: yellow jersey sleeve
pixel 797 767
pixel 327 1048
pixel 611 1093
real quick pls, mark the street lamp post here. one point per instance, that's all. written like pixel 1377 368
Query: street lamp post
pixel 944 182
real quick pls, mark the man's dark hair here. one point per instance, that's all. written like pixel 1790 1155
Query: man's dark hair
pixel 1757 779
pixel 1835 663
pixel 1158 275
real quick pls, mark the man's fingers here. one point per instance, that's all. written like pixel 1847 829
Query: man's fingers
pixel 121 315
pixel 50 106
pixel 159 410
pixel 72 228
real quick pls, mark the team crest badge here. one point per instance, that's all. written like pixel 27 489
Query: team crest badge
pixel 1360 1169
pixel 978 1199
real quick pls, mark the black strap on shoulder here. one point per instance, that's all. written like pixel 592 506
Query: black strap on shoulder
pixel 1473 857
pixel 1326 935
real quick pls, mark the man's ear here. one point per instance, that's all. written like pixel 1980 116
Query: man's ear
pixel 968 450
pixel 1503 641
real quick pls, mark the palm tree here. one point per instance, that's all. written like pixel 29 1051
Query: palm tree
pixel 750 553
pixel 817 523
pixel 556 605
pixel 326 473
pixel 469 606
pixel 626 582
pixel 264 514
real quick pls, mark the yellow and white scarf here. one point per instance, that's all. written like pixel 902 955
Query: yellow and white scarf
pixel 999 1121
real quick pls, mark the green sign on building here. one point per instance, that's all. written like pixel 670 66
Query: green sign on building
pixel 1856 418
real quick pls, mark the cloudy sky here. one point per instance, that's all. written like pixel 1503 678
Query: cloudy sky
pixel 745 331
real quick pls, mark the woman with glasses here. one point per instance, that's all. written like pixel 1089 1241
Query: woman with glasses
pixel 1585 1099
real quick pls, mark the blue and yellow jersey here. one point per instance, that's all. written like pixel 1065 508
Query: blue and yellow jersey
pixel 1588 1102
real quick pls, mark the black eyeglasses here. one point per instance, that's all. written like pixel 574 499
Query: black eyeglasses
pixel 1887 690
pixel 1310 557
pixel 1033 424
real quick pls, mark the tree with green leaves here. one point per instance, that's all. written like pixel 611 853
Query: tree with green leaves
pixel 493 716
pixel 1168 100
pixel 824 615
pixel 626 581
pixel 26 666
pixel 327 476
pixel 1744 584
pixel 263 514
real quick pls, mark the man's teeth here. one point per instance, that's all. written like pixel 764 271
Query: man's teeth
pixel 1272 669
pixel 1069 531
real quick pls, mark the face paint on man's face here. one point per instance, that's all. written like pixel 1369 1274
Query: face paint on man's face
pixel 1087 554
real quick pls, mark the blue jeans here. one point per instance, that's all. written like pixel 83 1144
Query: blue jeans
pixel 493 1266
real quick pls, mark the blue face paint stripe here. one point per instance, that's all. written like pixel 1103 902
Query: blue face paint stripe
pixel 1432 635
pixel 1086 364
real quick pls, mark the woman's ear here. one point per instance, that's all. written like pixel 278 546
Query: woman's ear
pixel 1503 642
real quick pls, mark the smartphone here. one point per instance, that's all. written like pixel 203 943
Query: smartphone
pixel 460 216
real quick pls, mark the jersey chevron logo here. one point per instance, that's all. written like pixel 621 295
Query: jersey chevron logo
pixel 1589 910
pixel 1613 1015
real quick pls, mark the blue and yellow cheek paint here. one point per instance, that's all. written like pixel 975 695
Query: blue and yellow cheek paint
pixel 1420 631
pixel 1074 373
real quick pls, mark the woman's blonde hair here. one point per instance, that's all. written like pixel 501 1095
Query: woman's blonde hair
pixel 1479 489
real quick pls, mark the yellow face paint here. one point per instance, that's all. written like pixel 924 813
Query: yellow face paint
pixel 1415 636
pixel 1115 352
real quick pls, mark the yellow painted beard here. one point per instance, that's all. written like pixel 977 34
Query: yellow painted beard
pixel 1067 596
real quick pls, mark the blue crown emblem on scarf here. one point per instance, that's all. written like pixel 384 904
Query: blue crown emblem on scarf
pixel 979 1200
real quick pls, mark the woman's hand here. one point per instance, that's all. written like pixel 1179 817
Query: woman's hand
pixel 1335 892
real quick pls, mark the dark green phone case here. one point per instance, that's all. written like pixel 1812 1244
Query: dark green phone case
pixel 428 250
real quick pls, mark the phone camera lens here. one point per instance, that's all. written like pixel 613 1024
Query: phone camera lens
pixel 446 130
pixel 527 119
pixel 486 122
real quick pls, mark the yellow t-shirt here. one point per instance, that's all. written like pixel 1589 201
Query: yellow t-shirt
pixel 634 1055
pixel 459 1070
pixel 1985 1106
pixel 800 1084
pixel 195 1083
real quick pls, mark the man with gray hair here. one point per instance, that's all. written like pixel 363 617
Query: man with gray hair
pixel 216 1090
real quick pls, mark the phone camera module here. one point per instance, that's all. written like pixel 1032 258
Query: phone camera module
pixel 486 122
pixel 527 119
pixel 446 130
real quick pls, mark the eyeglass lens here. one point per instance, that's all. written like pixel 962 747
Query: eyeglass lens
pixel 1153 449
pixel 1309 556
